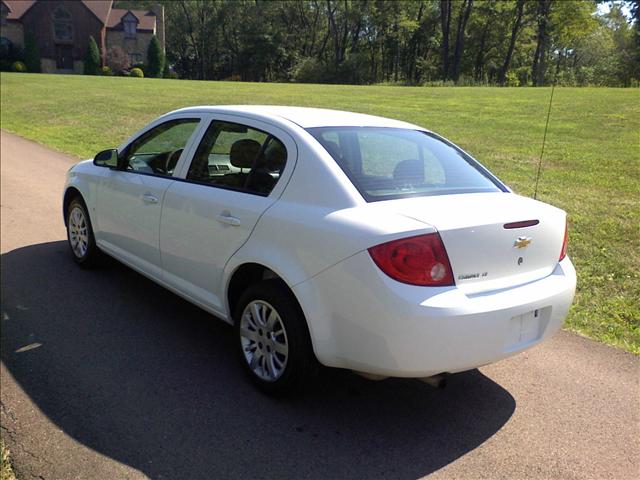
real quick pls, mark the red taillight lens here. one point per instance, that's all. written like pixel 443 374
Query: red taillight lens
pixel 563 251
pixel 420 260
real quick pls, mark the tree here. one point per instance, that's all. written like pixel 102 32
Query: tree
pixel 463 18
pixel 155 58
pixel 519 9
pixel 539 66
pixel 405 41
pixel 445 23
pixel 31 54
pixel 92 59
pixel 118 60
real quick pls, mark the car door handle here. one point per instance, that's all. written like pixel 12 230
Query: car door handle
pixel 148 198
pixel 228 219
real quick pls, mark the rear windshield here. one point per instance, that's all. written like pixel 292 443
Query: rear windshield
pixel 386 163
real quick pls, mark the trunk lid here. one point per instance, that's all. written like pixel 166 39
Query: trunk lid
pixel 485 255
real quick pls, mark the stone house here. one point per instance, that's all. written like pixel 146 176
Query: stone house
pixel 61 29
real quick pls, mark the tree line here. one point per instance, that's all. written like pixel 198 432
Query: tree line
pixel 464 42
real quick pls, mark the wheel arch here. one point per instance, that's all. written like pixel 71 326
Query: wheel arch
pixel 250 273
pixel 245 275
pixel 69 194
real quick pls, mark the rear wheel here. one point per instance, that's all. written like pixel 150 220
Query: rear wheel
pixel 275 348
pixel 80 234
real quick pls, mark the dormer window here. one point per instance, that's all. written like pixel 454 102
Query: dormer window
pixel 62 25
pixel 130 23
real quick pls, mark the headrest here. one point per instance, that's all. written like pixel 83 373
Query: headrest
pixel 411 171
pixel 243 153
pixel 276 156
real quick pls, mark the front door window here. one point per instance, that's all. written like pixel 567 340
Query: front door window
pixel 157 151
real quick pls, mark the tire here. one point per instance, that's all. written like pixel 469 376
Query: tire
pixel 275 350
pixel 80 237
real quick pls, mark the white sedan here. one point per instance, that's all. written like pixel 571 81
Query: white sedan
pixel 351 240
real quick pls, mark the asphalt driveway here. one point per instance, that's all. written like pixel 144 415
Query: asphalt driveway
pixel 106 375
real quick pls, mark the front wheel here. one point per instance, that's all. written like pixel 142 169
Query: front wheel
pixel 275 348
pixel 80 235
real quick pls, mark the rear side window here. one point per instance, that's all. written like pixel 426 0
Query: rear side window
pixel 387 163
pixel 238 157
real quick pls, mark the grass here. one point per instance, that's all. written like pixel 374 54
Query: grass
pixel 591 165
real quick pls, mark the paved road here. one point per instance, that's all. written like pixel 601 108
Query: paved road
pixel 106 375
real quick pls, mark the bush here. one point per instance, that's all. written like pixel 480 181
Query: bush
pixel 354 70
pixel 92 58
pixel 106 71
pixel 173 75
pixel 18 67
pixel 512 79
pixel 155 58
pixel 31 54
pixel 137 72
pixel 118 60
pixel 9 53
pixel 524 76
pixel 309 70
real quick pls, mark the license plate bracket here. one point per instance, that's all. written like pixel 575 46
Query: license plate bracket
pixel 524 329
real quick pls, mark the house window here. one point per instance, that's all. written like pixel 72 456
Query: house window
pixel 130 23
pixel 62 25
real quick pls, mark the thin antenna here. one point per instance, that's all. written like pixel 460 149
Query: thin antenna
pixel 544 139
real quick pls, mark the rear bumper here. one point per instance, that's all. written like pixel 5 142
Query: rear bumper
pixel 362 320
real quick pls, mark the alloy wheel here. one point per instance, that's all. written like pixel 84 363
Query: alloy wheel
pixel 264 340
pixel 78 232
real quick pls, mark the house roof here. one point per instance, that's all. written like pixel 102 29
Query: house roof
pixel 17 8
pixel 146 20
pixel 102 9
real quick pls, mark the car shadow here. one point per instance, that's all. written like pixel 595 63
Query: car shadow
pixel 142 376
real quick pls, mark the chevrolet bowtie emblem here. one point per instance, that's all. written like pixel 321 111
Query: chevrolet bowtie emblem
pixel 522 242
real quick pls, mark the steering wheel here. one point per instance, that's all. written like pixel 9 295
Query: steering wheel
pixel 172 160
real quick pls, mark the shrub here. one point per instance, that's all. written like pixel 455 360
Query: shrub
pixel 18 67
pixel 155 58
pixel 512 79
pixel 137 72
pixel 31 54
pixel 173 75
pixel 309 70
pixel 524 76
pixel 92 58
pixel 9 53
pixel 106 71
pixel 118 60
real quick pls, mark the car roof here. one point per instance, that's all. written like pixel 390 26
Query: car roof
pixel 303 116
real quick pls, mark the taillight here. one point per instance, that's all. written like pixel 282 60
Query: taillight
pixel 563 250
pixel 420 260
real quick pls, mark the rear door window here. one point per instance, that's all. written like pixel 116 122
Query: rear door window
pixel 238 157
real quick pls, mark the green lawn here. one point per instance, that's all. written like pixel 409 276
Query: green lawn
pixel 591 167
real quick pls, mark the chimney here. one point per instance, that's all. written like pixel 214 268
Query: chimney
pixel 158 11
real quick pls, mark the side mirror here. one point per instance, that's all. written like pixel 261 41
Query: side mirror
pixel 107 158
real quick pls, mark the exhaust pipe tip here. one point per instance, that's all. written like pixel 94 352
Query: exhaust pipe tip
pixel 436 381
